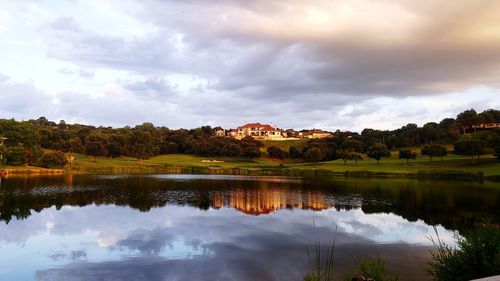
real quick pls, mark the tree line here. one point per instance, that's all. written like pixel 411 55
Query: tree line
pixel 431 138
pixel 26 141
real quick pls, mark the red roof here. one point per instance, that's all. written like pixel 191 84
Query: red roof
pixel 262 127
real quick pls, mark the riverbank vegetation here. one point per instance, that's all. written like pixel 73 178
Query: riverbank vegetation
pixel 477 255
pixel 146 148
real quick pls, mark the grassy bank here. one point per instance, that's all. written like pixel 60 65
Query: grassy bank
pixel 453 167
pixel 15 170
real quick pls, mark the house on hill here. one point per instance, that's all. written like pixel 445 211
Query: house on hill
pixel 315 134
pixel 219 132
pixel 259 131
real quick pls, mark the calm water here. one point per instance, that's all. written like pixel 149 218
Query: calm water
pixel 189 227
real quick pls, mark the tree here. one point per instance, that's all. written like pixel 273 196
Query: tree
pixel 95 145
pixel 19 155
pixel 434 150
pixel 377 151
pixel 430 132
pixel 294 152
pixel 276 152
pixel 251 152
pixel 144 141
pixel 117 145
pixel 467 119
pixel 470 146
pixel 75 145
pixel 314 155
pixel 407 154
pixel 349 155
pixel 53 159
pixel 350 150
pixel 250 147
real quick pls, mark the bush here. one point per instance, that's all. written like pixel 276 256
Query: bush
pixel 16 156
pixel 294 152
pixel 53 159
pixel 374 269
pixel 477 255
pixel 276 152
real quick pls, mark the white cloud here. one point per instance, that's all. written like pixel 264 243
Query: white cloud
pixel 334 64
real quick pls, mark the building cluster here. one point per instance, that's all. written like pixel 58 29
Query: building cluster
pixel 490 126
pixel 266 201
pixel 269 132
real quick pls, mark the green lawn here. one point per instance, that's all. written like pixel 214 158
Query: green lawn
pixel 489 165
pixel 171 159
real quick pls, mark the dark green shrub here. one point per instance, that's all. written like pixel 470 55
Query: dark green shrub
pixel 16 156
pixel 53 159
pixel 477 255
pixel 276 152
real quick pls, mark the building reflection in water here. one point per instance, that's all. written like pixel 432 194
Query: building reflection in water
pixel 266 200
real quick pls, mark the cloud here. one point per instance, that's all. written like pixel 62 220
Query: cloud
pixel 242 249
pixel 84 73
pixel 20 99
pixel 294 63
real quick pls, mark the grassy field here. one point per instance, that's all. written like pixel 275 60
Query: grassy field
pixel 488 164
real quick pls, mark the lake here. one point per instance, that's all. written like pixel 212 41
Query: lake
pixel 202 227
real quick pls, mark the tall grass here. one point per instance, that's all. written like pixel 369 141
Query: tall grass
pixel 323 270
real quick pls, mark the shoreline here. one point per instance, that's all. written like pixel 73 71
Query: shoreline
pixel 254 171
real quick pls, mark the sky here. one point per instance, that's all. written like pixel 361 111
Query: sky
pixel 325 64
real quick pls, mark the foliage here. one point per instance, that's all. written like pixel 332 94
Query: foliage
pixel 75 145
pixel 314 154
pixel 15 156
pixel 276 152
pixel 323 149
pixel 477 255
pixel 95 145
pixel 434 150
pixel 146 140
pixel 407 154
pixel 377 151
pixel 294 152
pixel 349 155
pixel 467 118
pixel 53 159
pixel 470 146
pixel 374 269
pixel 250 147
